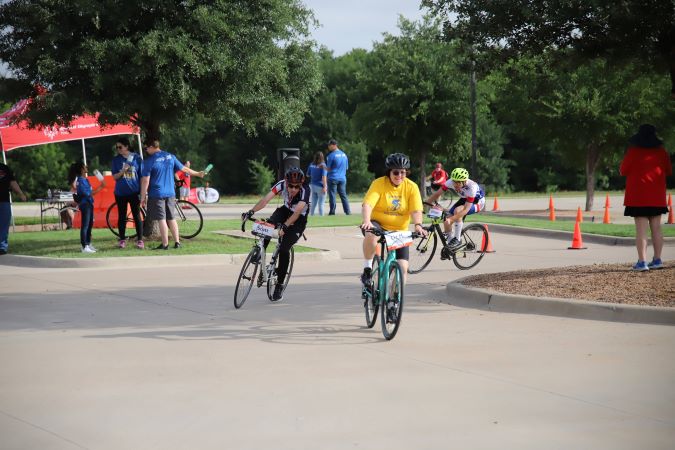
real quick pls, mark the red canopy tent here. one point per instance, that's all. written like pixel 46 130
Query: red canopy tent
pixel 15 133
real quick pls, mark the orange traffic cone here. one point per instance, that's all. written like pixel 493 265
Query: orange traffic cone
pixel 670 216
pixel 577 244
pixel 487 246
pixel 607 201
pixel 580 218
pixel 670 200
pixel 551 209
pixel 606 218
pixel 495 206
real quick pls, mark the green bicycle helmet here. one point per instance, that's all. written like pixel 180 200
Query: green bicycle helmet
pixel 459 174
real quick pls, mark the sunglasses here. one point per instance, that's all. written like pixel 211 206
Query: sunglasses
pixel 293 186
pixel 398 172
pixel 119 147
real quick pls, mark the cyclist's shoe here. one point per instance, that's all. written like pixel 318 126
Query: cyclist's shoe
pixel 122 243
pixel 391 312
pixel 454 243
pixel 161 247
pixel 641 266
pixel 140 245
pixel 367 276
pixel 177 245
pixel 655 264
pixel 278 293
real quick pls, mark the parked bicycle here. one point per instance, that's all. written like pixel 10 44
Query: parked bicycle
pixel 256 259
pixel 385 290
pixel 188 217
pixel 469 252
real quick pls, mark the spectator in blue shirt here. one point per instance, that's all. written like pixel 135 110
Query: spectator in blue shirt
pixel 337 165
pixel 84 196
pixel 158 190
pixel 126 170
pixel 317 182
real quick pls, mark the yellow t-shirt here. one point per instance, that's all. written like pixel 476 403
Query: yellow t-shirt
pixel 391 204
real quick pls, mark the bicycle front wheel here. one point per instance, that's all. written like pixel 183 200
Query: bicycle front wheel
pixel 189 219
pixel 392 307
pixel 371 294
pixel 472 246
pixel 273 280
pixel 112 220
pixel 246 277
pixel 422 252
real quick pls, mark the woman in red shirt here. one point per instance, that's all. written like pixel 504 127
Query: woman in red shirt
pixel 645 166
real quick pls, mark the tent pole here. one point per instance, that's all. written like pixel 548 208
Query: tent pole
pixel 84 152
pixel 140 146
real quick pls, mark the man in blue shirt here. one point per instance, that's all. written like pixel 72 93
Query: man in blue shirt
pixel 158 190
pixel 337 163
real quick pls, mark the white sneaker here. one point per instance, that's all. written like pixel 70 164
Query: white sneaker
pixel 88 249
pixel 93 248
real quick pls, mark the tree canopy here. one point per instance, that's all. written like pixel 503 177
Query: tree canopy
pixel 625 29
pixel 248 64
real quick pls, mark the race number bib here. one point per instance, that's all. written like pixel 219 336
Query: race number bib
pixel 264 229
pixel 435 213
pixel 398 239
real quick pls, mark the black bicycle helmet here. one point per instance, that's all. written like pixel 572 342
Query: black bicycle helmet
pixel 397 161
pixel 294 175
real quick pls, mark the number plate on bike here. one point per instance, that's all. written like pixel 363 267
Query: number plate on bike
pixel 264 229
pixel 435 213
pixel 398 239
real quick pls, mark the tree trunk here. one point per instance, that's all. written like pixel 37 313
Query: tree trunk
pixel 592 159
pixel 151 230
pixel 423 174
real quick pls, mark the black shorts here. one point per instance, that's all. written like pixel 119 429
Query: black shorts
pixel 293 233
pixel 645 211
pixel 401 253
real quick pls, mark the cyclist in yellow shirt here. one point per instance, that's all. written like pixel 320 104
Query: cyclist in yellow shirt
pixel 388 205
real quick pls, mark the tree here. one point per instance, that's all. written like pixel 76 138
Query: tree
pixel 244 63
pixel 415 97
pixel 586 113
pixel 613 30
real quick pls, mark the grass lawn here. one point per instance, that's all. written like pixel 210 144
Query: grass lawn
pixel 65 244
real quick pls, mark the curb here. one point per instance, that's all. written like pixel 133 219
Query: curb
pixel 132 262
pixel 562 235
pixel 469 297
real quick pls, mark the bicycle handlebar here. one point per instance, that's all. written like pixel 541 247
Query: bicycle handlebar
pixel 382 233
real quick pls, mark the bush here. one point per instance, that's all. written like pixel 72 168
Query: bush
pixel 262 177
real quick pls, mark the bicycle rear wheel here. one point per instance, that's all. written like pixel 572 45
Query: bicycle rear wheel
pixel 422 252
pixel 112 220
pixel 246 277
pixel 273 280
pixel 392 307
pixel 189 219
pixel 371 294
pixel 472 247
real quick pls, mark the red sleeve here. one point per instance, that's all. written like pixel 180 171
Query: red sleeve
pixel 626 163
pixel 667 166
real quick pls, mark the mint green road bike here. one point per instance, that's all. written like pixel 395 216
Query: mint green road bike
pixel 384 292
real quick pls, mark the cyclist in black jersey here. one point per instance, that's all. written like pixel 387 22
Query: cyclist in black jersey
pixel 290 218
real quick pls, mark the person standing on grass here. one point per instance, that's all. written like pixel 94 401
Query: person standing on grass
pixel 84 196
pixel 646 165
pixel 126 170
pixel 337 165
pixel 7 183
pixel 318 185
pixel 158 190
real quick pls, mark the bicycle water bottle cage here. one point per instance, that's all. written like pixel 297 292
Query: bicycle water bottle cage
pixel 264 229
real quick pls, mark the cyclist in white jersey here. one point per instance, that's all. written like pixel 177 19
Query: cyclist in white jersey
pixel 471 201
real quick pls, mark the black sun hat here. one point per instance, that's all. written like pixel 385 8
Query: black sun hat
pixel 646 137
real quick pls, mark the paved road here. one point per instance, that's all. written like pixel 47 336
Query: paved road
pixel 159 359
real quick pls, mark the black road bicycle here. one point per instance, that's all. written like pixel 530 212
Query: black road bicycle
pixel 188 217
pixel 472 244
pixel 256 260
